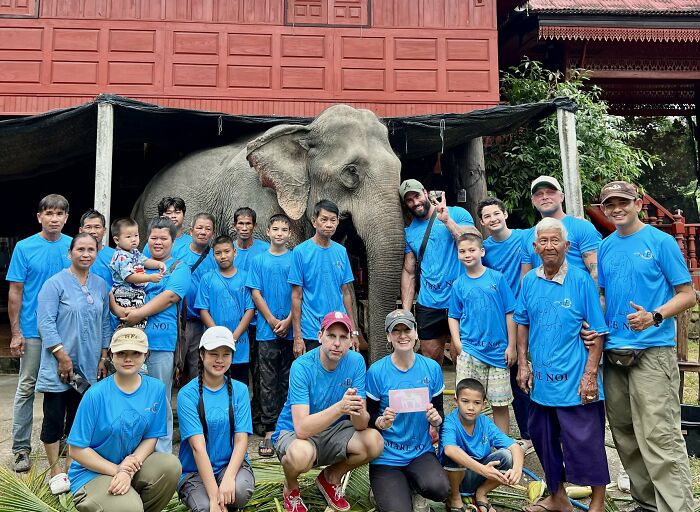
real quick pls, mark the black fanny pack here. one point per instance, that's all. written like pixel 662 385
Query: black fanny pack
pixel 623 356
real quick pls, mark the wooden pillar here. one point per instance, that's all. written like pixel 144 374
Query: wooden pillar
pixel 569 162
pixel 474 176
pixel 103 161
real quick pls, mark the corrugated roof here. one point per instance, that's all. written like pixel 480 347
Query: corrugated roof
pixel 649 7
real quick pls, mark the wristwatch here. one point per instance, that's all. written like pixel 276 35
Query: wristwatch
pixel 657 317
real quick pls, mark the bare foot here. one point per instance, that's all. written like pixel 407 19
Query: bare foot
pixel 550 504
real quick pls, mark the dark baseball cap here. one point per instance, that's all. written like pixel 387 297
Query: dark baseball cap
pixel 399 316
pixel 336 317
pixel 618 189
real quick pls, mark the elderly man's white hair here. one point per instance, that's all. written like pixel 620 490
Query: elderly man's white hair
pixel 549 224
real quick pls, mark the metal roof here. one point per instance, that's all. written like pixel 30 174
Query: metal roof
pixel 630 7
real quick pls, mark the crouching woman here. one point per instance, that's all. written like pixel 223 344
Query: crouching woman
pixel 215 422
pixel 114 435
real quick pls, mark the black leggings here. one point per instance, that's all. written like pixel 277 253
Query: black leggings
pixel 392 485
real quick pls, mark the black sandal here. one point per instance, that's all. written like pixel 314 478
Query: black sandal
pixel 483 504
pixel 265 448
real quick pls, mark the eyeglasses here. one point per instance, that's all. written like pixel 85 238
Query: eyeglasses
pixel 86 292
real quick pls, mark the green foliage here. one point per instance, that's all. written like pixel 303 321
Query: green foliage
pixel 603 140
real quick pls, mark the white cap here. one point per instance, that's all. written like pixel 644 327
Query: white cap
pixel 217 336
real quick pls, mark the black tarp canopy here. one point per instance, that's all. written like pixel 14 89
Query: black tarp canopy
pixel 53 141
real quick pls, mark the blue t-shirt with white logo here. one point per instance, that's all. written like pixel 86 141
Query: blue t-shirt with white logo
pixel 479 444
pixel 161 328
pixel 321 272
pixel 643 268
pixel 227 299
pixel 409 436
pixel 506 257
pixel 268 274
pixel 311 384
pixel 440 265
pixel 34 260
pixel 216 412
pixel 113 423
pixel 481 305
pixel 555 313
pixel 583 236
pixel 189 257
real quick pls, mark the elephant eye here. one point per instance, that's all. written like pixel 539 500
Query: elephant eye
pixel 350 176
pixel 351 169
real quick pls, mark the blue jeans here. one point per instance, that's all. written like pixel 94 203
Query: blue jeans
pixel 472 480
pixel 161 366
pixel 23 410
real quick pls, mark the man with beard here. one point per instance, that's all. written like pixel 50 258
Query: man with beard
pixel 439 265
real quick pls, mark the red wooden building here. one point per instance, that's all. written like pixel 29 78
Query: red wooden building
pixel 267 57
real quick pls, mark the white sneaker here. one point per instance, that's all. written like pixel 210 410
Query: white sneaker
pixel 623 481
pixel 59 484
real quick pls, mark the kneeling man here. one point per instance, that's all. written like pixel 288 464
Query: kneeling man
pixel 324 420
pixel 567 416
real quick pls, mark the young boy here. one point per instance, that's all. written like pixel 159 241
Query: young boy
pixel 272 295
pixel 482 327
pixel 128 267
pixel 223 299
pixel 466 445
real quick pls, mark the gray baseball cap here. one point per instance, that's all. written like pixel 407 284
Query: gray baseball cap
pixel 410 186
pixel 399 316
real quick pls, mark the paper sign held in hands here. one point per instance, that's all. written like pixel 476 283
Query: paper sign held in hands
pixel 409 400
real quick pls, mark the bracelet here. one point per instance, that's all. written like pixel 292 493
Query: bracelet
pixel 56 348
pixel 380 422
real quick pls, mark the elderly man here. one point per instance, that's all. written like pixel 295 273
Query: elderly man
pixel 646 283
pixel 324 421
pixel 430 241
pixel 584 239
pixel 567 415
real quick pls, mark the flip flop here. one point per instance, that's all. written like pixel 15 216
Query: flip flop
pixel 265 448
pixel 545 509
pixel 484 504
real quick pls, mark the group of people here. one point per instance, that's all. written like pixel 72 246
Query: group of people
pixel 529 317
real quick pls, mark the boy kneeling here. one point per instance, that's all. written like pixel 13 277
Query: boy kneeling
pixel 466 446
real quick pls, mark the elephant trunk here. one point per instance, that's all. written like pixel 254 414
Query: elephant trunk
pixel 384 241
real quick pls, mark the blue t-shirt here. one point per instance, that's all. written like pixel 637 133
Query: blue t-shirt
pixel 644 268
pixel 227 299
pixel 268 274
pixel 321 272
pixel 583 236
pixel 216 410
pixel 409 436
pixel 78 320
pixel 481 305
pixel 440 265
pixel 180 244
pixel 311 384
pixel 244 257
pixel 208 264
pixel 506 257
pixel 479 445
pixel 113 423
pixel 34 260
pixel 101 265
pixel 555 313
pixel 162 327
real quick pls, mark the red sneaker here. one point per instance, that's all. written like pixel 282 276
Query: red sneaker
pixel 293 502
pixel 333 493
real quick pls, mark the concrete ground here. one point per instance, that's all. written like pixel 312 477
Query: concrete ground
pixel 8 384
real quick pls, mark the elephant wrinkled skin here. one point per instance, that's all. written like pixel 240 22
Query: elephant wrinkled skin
pixel 343 155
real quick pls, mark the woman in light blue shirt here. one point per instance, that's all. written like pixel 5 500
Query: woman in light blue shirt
pixel 75 329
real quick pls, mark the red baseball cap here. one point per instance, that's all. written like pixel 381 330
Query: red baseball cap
pixel 336 317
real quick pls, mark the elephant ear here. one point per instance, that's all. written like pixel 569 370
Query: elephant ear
pixel 279 157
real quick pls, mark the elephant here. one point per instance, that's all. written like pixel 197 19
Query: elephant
pixel 343 155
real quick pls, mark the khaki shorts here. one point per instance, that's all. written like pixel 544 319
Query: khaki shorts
pixel 495 380
pixel 331 444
